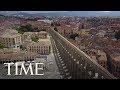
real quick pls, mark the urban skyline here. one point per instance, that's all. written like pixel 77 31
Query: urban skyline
pixel 62 13
pixel 69 47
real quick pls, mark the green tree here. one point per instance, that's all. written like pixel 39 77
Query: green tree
pixel 43 29
pixel 73 36
pixel 22 47
pixel 117 35
pixel 20 31
pixel 2 45
pixel 52 24
pixel 55 29
pixel 29 28
pixel 36 29
pixel 58 24
pixel 35 38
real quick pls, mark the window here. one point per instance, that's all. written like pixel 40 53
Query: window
pixel 49 47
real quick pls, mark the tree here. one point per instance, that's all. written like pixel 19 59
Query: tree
pixel 35 38
pixel 117 35
pixel 27 28
pixel 20 31
pixel 52 24
pixel 57 24
pixel 55 29
pixel 22 47
pixel 73 36
pixel 36 29
pixel 2 45
pixel 43 29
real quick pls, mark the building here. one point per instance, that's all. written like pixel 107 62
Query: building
pixel 11 38
pixel 102 58
pixel 84 32
pixel 99 56
pixel 41 34
pixel 39 24
pixel 46 21
pixel 113 55
pixel 26 37
pixel 101 33
pixel 9 50
pixel 65 30
pixel 15 55
pixel 116 66
pixel 42 47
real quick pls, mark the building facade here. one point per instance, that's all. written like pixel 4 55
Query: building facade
pixel 42 47
pixel 11 39
pixel 84 32
pixel 15 55
pixel 102 58
pixel 116 66
pixel 41 34
pixel 99 56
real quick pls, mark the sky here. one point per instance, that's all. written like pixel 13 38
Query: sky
pixel 105 11
pixel 42 11
pixel 54 11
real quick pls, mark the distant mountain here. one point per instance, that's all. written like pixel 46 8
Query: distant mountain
pixel 22 13
pixel 80 13
pixel 92 13
pixel 8 12
pixel 68 13
pixel 1 15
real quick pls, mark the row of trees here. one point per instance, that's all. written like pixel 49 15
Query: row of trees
pixel 55 24
pixel 29 28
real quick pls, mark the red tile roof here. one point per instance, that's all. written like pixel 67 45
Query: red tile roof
pixel 36 23
pixel 117 44
pixel 67 27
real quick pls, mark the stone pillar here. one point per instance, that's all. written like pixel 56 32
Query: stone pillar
pixel 92 73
